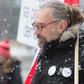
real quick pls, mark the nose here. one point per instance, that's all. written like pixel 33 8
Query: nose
pixel 37 32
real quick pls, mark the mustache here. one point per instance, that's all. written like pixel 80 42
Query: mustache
pixel 38 36
pixel 41 37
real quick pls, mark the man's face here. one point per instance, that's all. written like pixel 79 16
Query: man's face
pixel 46 28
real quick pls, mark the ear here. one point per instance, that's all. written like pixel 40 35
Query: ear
pixel 62 26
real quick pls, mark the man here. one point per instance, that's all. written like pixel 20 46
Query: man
pixel 9 67
pixel 56 35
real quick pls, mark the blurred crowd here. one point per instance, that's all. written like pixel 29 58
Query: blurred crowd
pixel 9 66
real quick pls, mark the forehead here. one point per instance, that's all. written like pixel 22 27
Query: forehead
pixel 44 15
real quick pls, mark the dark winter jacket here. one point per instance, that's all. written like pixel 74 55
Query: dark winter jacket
pixel 81 57
pixel 56 62
pixel 14 76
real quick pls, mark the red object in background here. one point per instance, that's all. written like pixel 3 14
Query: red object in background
pixel 72 2
pixel 5 48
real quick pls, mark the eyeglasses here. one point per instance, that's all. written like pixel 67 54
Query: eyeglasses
pixel 40 26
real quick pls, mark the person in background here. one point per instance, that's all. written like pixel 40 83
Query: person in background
pixel 56 25
pixel 9 67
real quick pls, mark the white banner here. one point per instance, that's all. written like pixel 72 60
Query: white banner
pixel 25 30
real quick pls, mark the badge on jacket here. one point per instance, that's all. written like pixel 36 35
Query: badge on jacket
pixel 66 72
pixel 51 70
